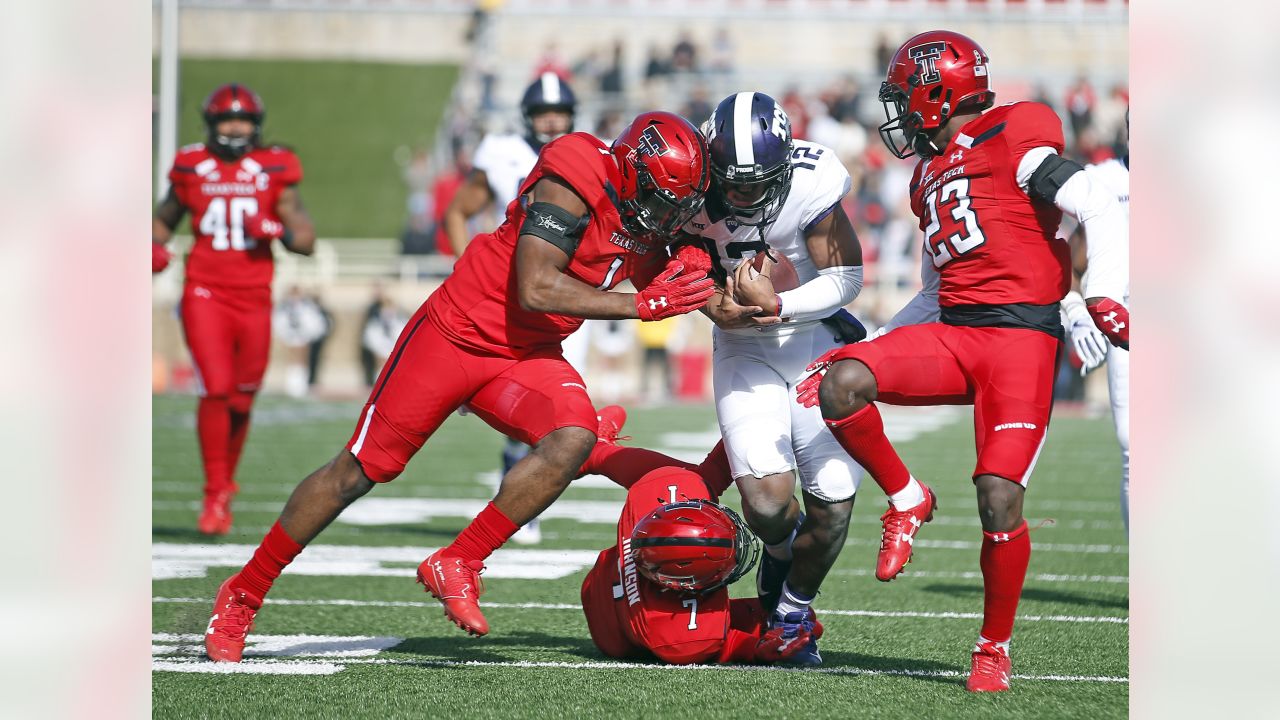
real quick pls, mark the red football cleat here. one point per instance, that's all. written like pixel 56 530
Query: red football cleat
pixel 456 583
pixel 900 528
pixel 216 518
pixel 990 669
pixel 611 418
pixel 233 612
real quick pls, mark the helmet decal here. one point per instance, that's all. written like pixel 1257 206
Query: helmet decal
pixel 652 143
pixel 926 56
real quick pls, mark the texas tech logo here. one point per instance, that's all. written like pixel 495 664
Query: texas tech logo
pixel 926 57
pixel 652 143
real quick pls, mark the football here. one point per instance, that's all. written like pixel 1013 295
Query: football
pixel 782 273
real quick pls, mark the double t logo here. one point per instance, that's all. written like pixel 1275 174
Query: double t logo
pixel 926 57
pixel 652 142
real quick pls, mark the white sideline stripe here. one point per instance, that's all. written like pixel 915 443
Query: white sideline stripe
pixel 975 575
pixel 328 646
pixel 247 668
pixel 1112 619
pixel 206 666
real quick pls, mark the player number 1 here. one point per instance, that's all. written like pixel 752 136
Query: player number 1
pixel 692 604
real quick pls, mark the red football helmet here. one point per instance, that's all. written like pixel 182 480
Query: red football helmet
pixel 694 546
pixel 665 176
pixel 233 100
pixel 933 77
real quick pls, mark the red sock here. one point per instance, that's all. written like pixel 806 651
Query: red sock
pixel 626 465
pixel 485 534
pixel 1004 568
pixel 862 436
pixel 213 427
pixel 269 560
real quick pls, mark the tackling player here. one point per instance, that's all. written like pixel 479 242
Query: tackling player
pixel 242 195
pixel 773 194
pixel 591 215
pixel 1091 345
pixel 499 167
pixel 989 189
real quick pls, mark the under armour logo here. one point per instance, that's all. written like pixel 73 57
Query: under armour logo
pixel 655 303
pixel 1116 325
pixel 926 56
pixel 1000 537
pixel 957 155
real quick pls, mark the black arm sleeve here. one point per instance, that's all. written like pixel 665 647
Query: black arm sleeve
pixel 1049 178
pixel 555 225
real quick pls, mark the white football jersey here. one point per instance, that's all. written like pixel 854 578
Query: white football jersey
pixel 818 181
pixel 506 161
pixel 1113 175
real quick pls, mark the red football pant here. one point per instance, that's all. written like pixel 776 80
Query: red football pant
pixel 1006 373
pixel 428 376
pixel 228 332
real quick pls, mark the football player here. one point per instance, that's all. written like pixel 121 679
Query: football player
pixel 500 165
pixel 242 195
pixel 662 590
pixel 990 189
pixel 590 216
pixel 1090 344
pixel 772 194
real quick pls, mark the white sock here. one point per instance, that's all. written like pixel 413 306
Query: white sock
pixel 909 496
pixel 782 550
pixel 792 601
pixel 1002 645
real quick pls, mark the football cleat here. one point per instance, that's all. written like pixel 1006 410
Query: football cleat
pixel 990 669
pixel 456 583
pixel 610 420
pixel 215 518
pixel 232 619
pixel 900 528
pixel 796 625
pixel 528 534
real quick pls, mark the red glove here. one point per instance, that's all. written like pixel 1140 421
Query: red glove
pixel 1112 319
pixel 262 227
pixel 672 293
pixel 695 258
pixel 807 389
pixel 160 257
pixel 774 647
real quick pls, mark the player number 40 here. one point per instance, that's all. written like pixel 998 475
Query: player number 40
pixel 945 248
pixel 224 222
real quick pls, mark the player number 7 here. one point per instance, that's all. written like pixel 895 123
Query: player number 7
pixel 692 604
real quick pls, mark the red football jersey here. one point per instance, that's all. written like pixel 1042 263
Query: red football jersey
pixel 220 194
pixel 991 243
pixel 478 305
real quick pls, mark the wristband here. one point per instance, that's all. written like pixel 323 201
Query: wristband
pixel 779 299
pixel 287 237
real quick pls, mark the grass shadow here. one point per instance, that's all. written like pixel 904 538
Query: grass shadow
pixel 1038 595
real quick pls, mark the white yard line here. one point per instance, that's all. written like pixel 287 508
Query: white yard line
pixel 976 575
pixel 1107 619
pixel 261 666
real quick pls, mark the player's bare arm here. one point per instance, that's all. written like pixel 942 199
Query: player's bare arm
pixel 168 214
pixel 474 195
pixel 833 243
pixel 541 282
pixel 300 232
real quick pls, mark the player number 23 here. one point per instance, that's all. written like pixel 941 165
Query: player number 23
pixel 223 220
pixel 967 233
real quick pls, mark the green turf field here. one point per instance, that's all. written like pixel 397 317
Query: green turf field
pixel 372 644
pixel 344 119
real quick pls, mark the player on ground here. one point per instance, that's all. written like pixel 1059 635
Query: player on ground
pixel 1091 345
pixel 989 189
pixel 772 194
pixel 241 195
pixel 499 167
pixel 591 215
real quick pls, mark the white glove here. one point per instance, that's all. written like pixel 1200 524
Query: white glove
pixel 1090 344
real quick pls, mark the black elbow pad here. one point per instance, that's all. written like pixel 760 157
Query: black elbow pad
pixel 555 225
pixel 1048 179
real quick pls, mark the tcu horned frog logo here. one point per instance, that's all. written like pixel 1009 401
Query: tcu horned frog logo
pixel 652 143
pixel 926 57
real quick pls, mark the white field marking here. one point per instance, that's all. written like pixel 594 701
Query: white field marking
pixel 329 646
pixel 389 511
pixel 247 668
pixel 975 575
pixel 654 666
pixel 974 545
pixel 177 560
pixel 1104 619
